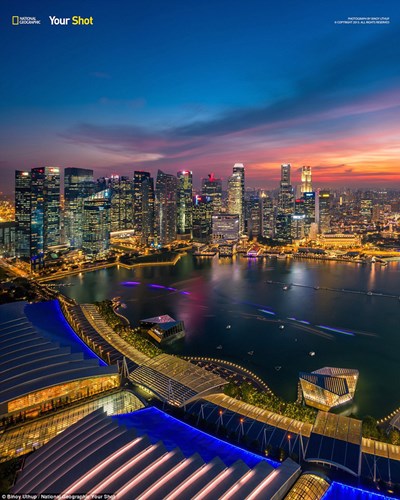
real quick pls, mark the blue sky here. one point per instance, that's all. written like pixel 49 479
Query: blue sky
pixel 200 85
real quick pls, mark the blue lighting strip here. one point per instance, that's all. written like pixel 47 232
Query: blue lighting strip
pixel 338 491
pixel 160 426
pixel 48 318
pixel 335 330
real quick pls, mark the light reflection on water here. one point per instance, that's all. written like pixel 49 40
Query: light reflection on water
pixel 212 293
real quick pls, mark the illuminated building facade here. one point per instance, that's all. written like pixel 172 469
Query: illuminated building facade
pixel 236 184
pixel 225 227
pixel 306 180
pixel 328 387
pixel 163 328
pixel 212 187
pixel 267 216
pixel 121 212
pixel 324 199
pixel 45 212
pixel 339 240
pixel 22 213
pixel 165 208
pixel 7 238
pixel 184 203
pixel 96 223
pixel 143 205
pixel 202 218
pixel 78 185
pixel 285 207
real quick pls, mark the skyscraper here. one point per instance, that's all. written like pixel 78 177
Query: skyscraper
pixel 324 198
pixel 165 208
pixel 185 203
pixel 236 183
pixel 143 205
pixel 306 180
pixel 78 185
pixel 267 216
pixel 45 211
pixel 121 203
pixel 212 187
pixel 285 208
pixel 202 215
pixel 96 223
pixel 22 213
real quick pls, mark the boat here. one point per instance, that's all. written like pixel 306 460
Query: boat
pixel 281 327
pixel 277 368
pixel 228 327
pixel 311 353
pixel 219 346
pixel 250 353
pixel 369 293
pixel 285 287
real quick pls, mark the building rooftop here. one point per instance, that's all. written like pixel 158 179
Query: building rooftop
pixel 140 454
pixel 32 360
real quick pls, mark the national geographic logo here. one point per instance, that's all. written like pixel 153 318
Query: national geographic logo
pixel 74 21
pixel 20 20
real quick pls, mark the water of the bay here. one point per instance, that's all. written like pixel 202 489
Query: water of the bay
pixel 209 294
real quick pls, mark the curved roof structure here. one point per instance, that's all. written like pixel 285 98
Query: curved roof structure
pixel 175 380
pixel 121 460
pixel 30 361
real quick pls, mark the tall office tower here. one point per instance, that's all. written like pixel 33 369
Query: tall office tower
pixel 78 185
pixel 306 183
pixel 285 206
pixel 366 206
pixel 236 194
pixel 212 187
pixel 253 215
pixel 165 208
pixel 45 212
pixel 96 223
pixel 309 211
pixel 184 204
pixel 298 219
pixel 143 206
pixel 202 218
pixel 267 216
pixel 324 199
pixel 22 213
pixel 121 203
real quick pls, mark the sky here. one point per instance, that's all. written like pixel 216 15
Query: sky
pixel 201 85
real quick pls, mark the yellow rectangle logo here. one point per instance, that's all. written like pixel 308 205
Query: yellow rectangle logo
pixel 15 20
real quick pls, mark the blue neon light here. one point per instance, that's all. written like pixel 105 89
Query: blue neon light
pixel 339 491
pixel 336 330
pixel 48 318
pixel 160 426
pixel 267 312
pixel 130 283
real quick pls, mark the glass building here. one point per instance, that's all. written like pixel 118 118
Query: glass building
pixel 45 212
pixel 96 223
pixel 78 185
pixel 285 206
pixel 184 203
pixel 165 209
pixel 236 183
pixel 225 227
pixel 121 213
pixel 212 187
pixel 22 213
pixel 202 218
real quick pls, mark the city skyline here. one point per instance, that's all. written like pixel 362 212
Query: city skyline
pixel 196 87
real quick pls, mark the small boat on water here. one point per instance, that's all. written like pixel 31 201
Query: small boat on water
pixel 250 353
pixel 281 327
pixel 228 327
pixel 219 346
pixel 285 287
pixel 311 353
pixel 277 368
